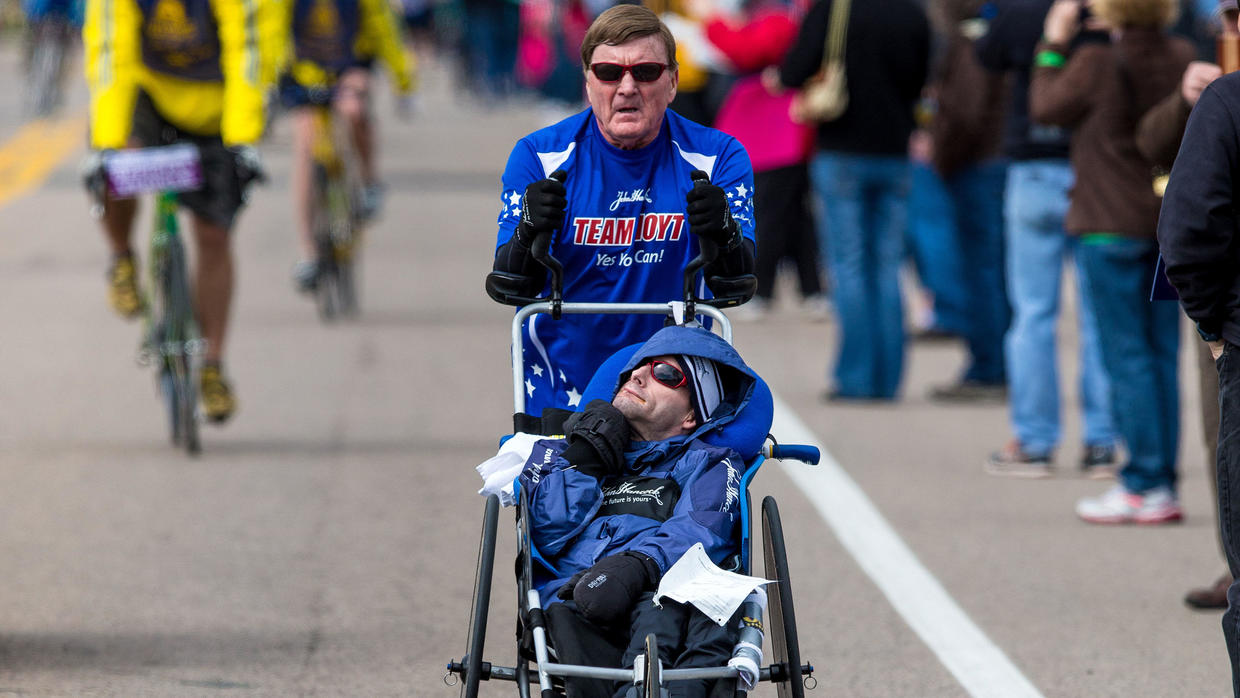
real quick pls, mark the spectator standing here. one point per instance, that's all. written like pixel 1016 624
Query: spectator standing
pixel 941 310
pixel 1158 136
pixel 966 132
pixel 861 174
pixel 1039 179
pixel 1197 235
pixel 756 114
pixel 490 47
pixel 1101 91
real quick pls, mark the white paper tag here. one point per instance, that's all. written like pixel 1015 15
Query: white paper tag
pixel 694 579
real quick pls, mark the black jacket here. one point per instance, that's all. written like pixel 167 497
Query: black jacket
pixel 1199 227
pixel 886 61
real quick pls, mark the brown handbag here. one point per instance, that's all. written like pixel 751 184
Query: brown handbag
pixel 825 96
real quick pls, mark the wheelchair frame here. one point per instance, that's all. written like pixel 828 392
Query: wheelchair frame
pixel 790 676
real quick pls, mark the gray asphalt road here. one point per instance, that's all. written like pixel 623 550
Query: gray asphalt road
pixel 324 543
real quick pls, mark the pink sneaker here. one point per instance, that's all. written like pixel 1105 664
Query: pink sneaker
pixel 1119 506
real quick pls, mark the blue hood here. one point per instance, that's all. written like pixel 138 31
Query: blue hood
pixel 739 379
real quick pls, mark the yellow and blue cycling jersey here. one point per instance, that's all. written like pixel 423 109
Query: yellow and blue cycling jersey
pixel 326 37
pixel 201 62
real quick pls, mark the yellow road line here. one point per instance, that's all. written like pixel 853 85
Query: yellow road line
pixel 29 157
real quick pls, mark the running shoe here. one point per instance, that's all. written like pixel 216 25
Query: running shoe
pixel 123 293
pixel 306 275
pixel 1014 461
pixel 1119 506
pixel 1098 462
pixel 369 201
pixel 218 403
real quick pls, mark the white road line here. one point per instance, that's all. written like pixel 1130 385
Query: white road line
pixel 980 666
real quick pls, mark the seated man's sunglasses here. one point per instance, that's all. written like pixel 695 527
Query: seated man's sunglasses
pixel 667 374
pixel 614 72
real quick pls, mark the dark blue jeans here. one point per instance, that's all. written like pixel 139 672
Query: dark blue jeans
pixel 935 248
pixel 977 198
pixel 861 235
pixel 1228 478
pixel 1140 340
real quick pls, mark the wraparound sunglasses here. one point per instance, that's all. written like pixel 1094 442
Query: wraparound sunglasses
pixel 614 72
pixel 667 374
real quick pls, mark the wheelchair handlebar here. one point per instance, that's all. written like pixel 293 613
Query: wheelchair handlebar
pixel 805 454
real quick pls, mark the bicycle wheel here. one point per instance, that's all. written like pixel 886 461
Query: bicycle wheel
pixel 344 246
pixel 652 678
pixel 784 643
pixel 177 346
pixel 482 600
pixel 181 399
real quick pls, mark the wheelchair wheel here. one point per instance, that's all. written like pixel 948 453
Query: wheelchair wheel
pixel 783 623
pixel 482 600
pixel 654 672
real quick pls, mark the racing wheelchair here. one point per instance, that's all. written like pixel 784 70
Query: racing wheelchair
pixel 748 434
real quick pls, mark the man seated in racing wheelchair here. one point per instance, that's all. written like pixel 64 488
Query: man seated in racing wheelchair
pixel 629 489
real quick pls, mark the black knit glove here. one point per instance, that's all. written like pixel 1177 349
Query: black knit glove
pixel 709 215
pixel 542 208
pixel 597 437
pixel 607 591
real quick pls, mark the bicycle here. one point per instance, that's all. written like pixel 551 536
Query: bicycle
pixel 334 221
pixel 171 341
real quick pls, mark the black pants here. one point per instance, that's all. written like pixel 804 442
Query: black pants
pixel 686 638
pixel 785 228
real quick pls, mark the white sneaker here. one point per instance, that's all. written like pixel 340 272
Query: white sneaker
pixel 1119 506
pixel 756 310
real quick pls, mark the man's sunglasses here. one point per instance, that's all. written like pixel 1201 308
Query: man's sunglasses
pixel 667 374
pixel 614 72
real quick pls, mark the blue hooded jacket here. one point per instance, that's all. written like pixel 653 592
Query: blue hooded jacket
pixel 673 493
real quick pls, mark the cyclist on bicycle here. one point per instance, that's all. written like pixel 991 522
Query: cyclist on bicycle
pixel 333 43
pixel 614 187
pixel 162 71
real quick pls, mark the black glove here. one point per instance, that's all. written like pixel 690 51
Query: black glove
pixel 709 215
pixel 597 437
pixel 542 208
pixel 607 591
pixel 95 175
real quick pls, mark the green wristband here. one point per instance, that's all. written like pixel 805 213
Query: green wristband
pixel 1047 58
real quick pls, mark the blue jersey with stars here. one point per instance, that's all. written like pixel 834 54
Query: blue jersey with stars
pixel 625 237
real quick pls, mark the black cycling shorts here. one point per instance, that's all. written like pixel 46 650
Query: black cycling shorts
pixel 220 197
pixel 293 94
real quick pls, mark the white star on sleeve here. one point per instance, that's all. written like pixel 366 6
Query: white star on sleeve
pixel 574 397
pixel 740 189
pixel 514 198
pixel 529 388
pixel 537 370
pixel 563 379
